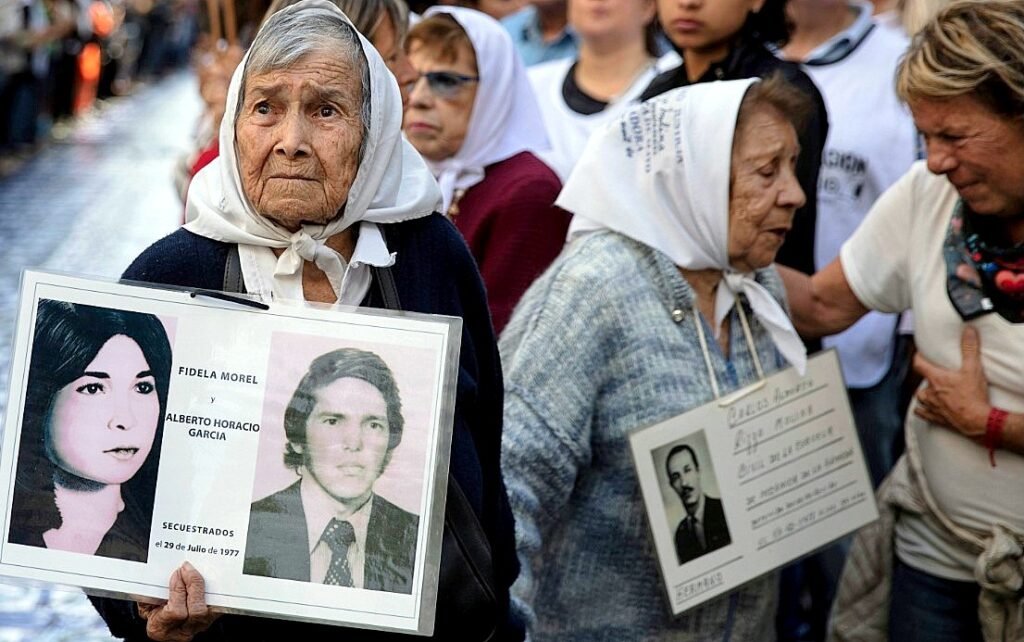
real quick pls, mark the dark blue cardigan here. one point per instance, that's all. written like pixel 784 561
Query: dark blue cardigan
pixel 434 273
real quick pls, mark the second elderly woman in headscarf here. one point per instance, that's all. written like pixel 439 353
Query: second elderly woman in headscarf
pixel 474 118
pixel 679 208
pixel 317 197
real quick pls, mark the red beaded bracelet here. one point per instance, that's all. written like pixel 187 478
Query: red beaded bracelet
pixel 994 431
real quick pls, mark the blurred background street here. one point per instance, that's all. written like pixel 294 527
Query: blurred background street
pixel 88 202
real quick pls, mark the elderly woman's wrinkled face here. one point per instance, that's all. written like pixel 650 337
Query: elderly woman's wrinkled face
pixel 299 132
pixel 979 151
pixel 763 189
pixel 437 119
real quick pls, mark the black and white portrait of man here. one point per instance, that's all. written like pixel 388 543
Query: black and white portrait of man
pixel 703 527
pixel 342 425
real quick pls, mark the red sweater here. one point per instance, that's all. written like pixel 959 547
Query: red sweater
pixel 513 228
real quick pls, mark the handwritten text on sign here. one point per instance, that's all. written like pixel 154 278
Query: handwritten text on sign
pixel 787 464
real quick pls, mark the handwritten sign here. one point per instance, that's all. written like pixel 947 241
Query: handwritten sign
pixel 736 489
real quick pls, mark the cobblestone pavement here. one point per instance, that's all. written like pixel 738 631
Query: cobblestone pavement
pixel 88 204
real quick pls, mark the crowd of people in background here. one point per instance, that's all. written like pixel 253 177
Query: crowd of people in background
pixel 891 187
pixel 58 57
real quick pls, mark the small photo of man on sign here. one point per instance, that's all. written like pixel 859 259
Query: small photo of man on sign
pixel 686 476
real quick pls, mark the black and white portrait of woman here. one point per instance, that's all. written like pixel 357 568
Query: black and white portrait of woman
pixel 91 431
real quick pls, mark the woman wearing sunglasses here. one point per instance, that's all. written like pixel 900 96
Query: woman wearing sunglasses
pixel 474 118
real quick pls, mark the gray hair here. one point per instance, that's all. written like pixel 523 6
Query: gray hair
pixel 366 15
pixel 290 36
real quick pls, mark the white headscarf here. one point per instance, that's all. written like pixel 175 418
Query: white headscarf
pixel 505 119
pixel 392 184
pixel 660 175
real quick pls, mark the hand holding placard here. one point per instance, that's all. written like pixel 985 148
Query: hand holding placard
pixel 184 614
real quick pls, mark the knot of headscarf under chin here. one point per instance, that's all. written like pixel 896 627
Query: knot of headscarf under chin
pixel 453 176
pixel 303 247
pixel 768 311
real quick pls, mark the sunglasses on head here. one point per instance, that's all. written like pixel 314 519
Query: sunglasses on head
pixel 445 84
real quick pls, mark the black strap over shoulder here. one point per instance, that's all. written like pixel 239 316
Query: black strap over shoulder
pixel 385 280
pixel 233 281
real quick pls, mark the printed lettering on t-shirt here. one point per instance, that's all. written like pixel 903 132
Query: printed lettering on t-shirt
pixel 843 176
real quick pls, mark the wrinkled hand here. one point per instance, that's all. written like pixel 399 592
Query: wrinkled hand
pixel 956 399
pixel 184 614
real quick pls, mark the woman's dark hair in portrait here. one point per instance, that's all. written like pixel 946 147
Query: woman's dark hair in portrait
pixel 325 370
pixel 67 338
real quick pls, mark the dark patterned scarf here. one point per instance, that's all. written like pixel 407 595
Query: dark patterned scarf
pixel 982 277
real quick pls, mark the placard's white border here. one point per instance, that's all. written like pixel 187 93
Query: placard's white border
pixel 273 597
pixel 742 561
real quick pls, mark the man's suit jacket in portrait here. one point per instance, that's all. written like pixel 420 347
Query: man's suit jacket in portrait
pixel 276 545
pixel 716 532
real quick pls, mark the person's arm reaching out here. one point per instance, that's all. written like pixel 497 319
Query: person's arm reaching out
pixel 821 304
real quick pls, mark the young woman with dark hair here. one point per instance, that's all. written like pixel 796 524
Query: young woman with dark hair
pixel 730 40
pixel 91 432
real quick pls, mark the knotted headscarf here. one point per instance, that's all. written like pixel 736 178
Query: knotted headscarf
pixel 505 119
pixel 660 175
pixel 392 184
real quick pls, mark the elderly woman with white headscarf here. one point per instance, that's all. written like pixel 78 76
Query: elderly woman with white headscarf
pixel 664 300
pixel 473 116
pixel 318 197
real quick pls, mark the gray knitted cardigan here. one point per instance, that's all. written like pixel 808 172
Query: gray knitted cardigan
pixel 593 352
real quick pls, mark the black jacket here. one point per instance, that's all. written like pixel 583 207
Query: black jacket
pixel 276 543
pixel 748 61
pixel 716 532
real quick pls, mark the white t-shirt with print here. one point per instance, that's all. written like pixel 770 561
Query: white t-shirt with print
pixel 894 262
pixel 871 143
pixel 568 130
